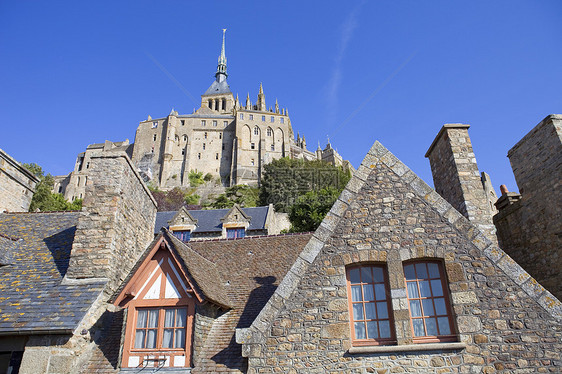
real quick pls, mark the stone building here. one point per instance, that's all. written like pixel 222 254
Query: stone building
pixel 395 279
pixel 73 185
pixel 530 223
pixel 17 185
pixel 230 139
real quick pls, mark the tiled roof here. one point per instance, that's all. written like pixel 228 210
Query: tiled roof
pixel 32 298
pixel 251 269
pixel 210 220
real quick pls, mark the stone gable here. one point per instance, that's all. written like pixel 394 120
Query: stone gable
pixel 504 320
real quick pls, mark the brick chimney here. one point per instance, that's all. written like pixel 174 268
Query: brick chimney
pixel 116 223
pixel 456 176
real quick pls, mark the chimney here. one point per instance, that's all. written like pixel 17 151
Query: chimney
pixel 456 177
pixel 116 223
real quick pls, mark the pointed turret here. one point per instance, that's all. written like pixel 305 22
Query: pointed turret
pixel 237 102
pixel 221 67
pixel 276 106
pixel 261 100
pixel 248 102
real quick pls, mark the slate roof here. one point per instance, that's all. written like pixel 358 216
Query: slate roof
pixel 210 220
pixel 218 88
pixel 32 298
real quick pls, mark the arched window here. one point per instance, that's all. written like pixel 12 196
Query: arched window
pixel 256 130
pixel 223 104
pixel 428 301
pixel 269 131
pixel 369 305
pixel 210 104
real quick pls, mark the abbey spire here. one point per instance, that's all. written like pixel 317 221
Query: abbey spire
pixel 221 67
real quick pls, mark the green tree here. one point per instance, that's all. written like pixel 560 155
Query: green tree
pixel 195 178
pixel 285 180
pixel 44 199
pixel 243 195
pixel 309 210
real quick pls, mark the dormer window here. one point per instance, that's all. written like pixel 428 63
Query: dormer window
pixel 183 235
pixel 233 233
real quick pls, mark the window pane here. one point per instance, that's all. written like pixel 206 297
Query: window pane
pixel 357 311
pixel 415 308
pixel 356 293
pixel 167 338
pixel 141 318
pixel 384 329
pixel 368 292
pixel 431 326
pixel 409 272
pixel 139 338
pixel 424 289
pixel 421 271
pixel 153 318
pixel 180 338
pixel 418 327
pixel 440 307
pixel 379 291
pixel 354 276
pixel 372 330
pixel 413 290
pixel 359 330
pixel 433 270
pixel 444 328
pixel 382 310
pixel 378 275
pixel 370 311
pixel 169 318
pixel 181 317
pixel 427 307
pixel 436 287
pixel 151 339
pixel 366 276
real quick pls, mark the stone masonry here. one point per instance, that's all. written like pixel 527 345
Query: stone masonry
pixel 456 176
pixel 116 222
pixel 530 224
pixel 17 185
pixel 505 321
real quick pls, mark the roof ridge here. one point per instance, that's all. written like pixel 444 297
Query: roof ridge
pixel 46 212
pixel 252 237
pixel 9 238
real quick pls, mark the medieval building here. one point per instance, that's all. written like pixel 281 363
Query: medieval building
pixel 17 185
pixel 398 277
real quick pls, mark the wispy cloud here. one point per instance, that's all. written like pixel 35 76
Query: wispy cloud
pixel 346 30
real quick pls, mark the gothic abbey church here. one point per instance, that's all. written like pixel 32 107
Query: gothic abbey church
pixel 223 137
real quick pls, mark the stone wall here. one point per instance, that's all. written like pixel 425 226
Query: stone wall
pixel 530 225
pixel 205 315
pixel 17 185
pixel 116 223
pixel 456 176
pixel 505 321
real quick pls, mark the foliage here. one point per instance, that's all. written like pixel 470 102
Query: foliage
pixel 174 199
pixel 208 177
pixel 240 194
pixel 285 180
pixel 309 210
pixel 44 199
pixel 195 178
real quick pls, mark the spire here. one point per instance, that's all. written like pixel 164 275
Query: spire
pixel 237 102
pixel 261 100
pixel 261 89
pixel 221 67
pixel 276 106
pixel 248 102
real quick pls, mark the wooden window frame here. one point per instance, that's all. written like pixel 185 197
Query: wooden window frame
pixel 236 230
pixel 452 337
pixel 388 300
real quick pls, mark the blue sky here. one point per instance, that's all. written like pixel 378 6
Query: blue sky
pixel 76 73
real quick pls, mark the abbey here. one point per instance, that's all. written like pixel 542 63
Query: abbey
pixel 224 137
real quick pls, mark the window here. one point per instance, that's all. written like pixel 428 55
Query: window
pixel 263 118
pixel 223 147
pixel 205 135
pixel 210 104
pixel 154 137
pixel 220 135
pixel 87 165
pixel 251 116
pixel 235 233
pixel 273 147
pixel 272 119
pixel 223 104
pixel 199 156
pixel 430 313
pixel 203 123
pixel 216 156
pixel 252 145
pixel 183 235
pixel 183 152
pixel 183 122
pixel 282 120
pixel 252 162
pixel 185 138
pixel 369 304
pixel 203 146
pixel 214 123
pixel 225 123
pixel 256 130
pixel 241 115
pixel 269 131
pixel 154 125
